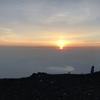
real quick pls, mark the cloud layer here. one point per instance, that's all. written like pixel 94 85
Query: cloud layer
pixel 61 69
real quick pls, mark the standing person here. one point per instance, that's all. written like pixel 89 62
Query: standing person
pixel 92 70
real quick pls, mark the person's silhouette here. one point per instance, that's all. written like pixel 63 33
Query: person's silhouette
pixel 92 70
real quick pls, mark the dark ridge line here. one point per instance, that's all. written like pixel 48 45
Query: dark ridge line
pixel 46 74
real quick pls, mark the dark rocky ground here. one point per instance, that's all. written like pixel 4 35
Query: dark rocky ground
pixel 42 86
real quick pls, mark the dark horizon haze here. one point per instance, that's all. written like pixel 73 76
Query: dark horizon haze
pixel 18 62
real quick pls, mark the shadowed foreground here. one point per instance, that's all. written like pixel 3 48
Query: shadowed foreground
pixel 44 86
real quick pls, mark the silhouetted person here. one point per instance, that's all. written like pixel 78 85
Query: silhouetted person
pixel 68 72
pixel 92 70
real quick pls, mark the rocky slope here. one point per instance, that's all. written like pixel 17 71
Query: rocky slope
pixel 42 86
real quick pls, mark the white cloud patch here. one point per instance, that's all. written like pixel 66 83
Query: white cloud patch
pixel 83 11
pixel 61 69
pixel 56 18
pixel 72 17
pixel 5 32
pixel 7 35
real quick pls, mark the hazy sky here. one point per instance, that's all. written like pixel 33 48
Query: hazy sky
pixel 44 22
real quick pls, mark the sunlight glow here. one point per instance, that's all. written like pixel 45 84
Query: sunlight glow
pixel 62 43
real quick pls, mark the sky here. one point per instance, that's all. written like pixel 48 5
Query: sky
pixel 32 32
pixel 46 22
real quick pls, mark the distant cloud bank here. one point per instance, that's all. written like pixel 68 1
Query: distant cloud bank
pixel 60 69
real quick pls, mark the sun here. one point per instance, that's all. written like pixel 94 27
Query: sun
pixel 61 43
